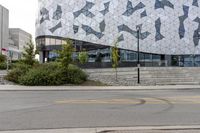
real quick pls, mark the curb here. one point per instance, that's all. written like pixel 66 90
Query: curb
pixel 99 130
pixel 95 88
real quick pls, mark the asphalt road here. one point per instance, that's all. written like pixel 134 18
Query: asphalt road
pixel 20 110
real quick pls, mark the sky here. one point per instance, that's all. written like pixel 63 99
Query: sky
pixel 22 14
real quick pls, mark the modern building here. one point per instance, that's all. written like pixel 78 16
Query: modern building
pixel 19 39
pixel 4 31
pixel 170 30
pixel 12 40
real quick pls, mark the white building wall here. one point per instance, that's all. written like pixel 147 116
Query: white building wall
pixel 170 14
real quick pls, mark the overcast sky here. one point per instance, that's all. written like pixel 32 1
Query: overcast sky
pixel 22 14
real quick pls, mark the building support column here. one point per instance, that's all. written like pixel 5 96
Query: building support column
pixel 41 58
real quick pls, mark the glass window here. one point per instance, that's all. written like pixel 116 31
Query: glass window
pixel 156 57
pixel 197 58
pixel 47 41
pixel 147 57
pixel 52 41
pixel 141 56
pixel 58 42
pixel 43 41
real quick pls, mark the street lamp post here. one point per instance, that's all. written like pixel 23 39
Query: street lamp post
pixel 138 52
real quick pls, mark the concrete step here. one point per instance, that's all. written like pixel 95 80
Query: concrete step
pixel 145 69
pixel 148 79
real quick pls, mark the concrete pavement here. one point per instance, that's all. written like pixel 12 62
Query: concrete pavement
pixel 146 129
pixel 90 88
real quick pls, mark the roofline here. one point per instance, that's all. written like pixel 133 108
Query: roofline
pixel 21 30
pixel 4 7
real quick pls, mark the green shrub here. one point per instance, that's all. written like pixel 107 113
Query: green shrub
pixel 18 70
pixel 43 75
pixel 75 75
pixel 46 74
pixel 53 74
pixel 2 58
pixel 3 66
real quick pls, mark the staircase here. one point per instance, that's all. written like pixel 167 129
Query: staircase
pixel 149 76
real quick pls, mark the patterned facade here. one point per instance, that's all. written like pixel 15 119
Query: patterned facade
pixel 167 26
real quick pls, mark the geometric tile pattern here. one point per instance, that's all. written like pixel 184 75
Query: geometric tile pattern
pixel 85 10
pixel 196 36
pixel 195 3
pixel 182 19
pixel 130 10
pixel 120 38
pixel 125 28
pixel 102 26
pixel 163 3
pixel 58 13
pixel 168 26
pixel 89 31
pixel 44 15
pixel 106 10
pixel 159 36
pixel 143 14
pixel 53 29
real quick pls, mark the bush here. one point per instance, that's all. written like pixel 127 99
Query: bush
pixel 18 70
pixel 46 74
pixel 53 74
pixel 43 75
pixel 2 58
pixel 3 66
pixel 75 75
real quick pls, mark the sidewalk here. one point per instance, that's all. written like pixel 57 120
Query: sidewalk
pixel 160 129
pixel 93 88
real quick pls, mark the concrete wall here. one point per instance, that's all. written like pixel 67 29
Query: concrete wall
pixel 4 24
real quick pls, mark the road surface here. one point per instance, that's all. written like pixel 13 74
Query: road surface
pixel 25 110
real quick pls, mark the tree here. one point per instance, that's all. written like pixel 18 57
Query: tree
pixel 29 53
pixel 65 55
pixel 83 57
pixel 115 58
